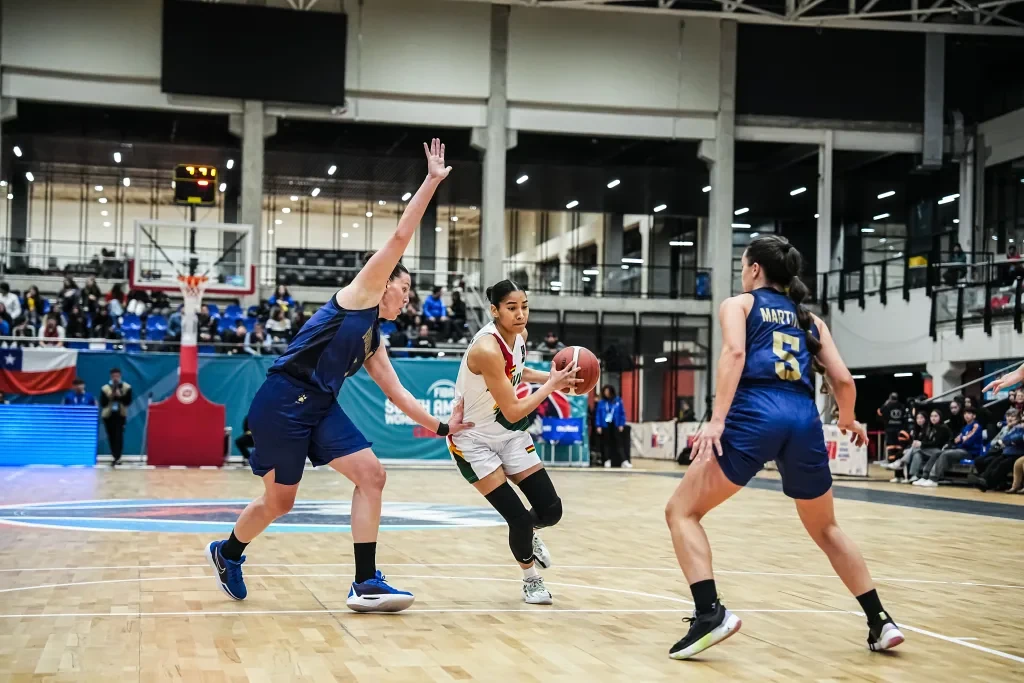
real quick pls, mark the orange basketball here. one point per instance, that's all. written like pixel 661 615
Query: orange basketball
pixel 589 368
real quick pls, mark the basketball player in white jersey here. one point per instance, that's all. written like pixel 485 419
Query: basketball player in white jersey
pixel 498 449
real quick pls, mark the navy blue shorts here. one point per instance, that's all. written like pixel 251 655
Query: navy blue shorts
pixel 776 424
pixel 290 424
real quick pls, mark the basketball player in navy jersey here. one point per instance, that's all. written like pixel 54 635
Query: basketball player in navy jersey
pixel 764 410
pixel 295 414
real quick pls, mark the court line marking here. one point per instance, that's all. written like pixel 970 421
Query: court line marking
pixel 468 610
pixel 963 642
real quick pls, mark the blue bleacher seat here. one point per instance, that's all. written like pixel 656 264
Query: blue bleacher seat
pixel 214 310
pixel 253 311
pixel 233 312
pixel 130 321
pixel 205 348
pixel 250 323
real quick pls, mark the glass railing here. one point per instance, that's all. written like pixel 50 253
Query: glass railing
pixel 313 268
pixel 976 303
pixel 624 280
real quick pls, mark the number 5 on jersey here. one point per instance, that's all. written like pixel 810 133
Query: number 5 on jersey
pixel 788 368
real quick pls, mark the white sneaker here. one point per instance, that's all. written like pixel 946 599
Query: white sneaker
pixel 927 483
pixel 895 480
pixel 607 464
pixel 912 480
pixel 540 552
pixel 535 593
pixel 627 465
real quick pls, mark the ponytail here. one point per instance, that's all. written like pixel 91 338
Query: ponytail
pixel 782 263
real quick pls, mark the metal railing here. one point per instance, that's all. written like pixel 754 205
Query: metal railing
pixel 967 304
pixel 625 280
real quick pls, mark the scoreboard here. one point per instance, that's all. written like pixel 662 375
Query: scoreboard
pixel 195 184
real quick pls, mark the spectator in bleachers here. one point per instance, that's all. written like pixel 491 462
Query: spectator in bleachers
pixel 992 469
pixel 610 421
pixel 69 293
pixel 298 319
pixel 411 317
pixel 423 340
pixel 3 400
pixel 435 313
pixel 115 398
pixel 257 342
pixel 914 442
pixel 10 302
pixel 102 324
pixel 459 317
pixel 686 413
pixel 281 297
pixel 935 437
pixel 34 307
pixel 967 445
pixel 76 327
pixel 137 302
pixel 551 343
pixel 116 300
pixel 1017 400
pixel 245 442
pixel 1013 269
pixel 51 333
pixel 956 418
pixel 91 295
pixel 207 326
pixel 279 325
pixel 5 323
pixel 160 302
pixel 954 274
pixel 980 413
pixel 892 415
pixel 78 396
pixel 235 335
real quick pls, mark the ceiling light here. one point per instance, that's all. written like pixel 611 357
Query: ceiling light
pixel 632 260
pixel 332 169
pixel 173 184
pixel 407 196
pixel 3 183
pixel 98 188
pixel 625 266
pixel 270 231
pixel 315 192
pixel 223 186
pixel 522 179
pixel 614 183
pixel 879 217
pixel 949 198
pixel 117 157
pixel 572 205
pixel 817 215
pixel 867 229
pixel 799 190
pixel 660 207
pixel 381 202
pixel 741 225
pixel 355 225
pixel 278 221
pixel 106 224
pixel 344 235
pixel 859 376
pixel 369 214
pixel 455 219
pixel 661 359
pixel 103 200
pixel 10 196
pixel 438 228
pixel 899 253
pixel 440 354
pixel 17 151
pixel 882 241
pixel 556 283
pixel 127 182
pixel 740 212
pixel 706 188
pixel 754 234
pixel 591 271
pixel 29 177
pixel 687 243
pixel 956 220
pixel 892 248
pixel 231 164
pixel 995 237
pixel 104 212
pixel 294 198
pixel 902 374
pixel 472 208
pixel 884 195
pixel 286 210
pixel 675 243
pixel 585 278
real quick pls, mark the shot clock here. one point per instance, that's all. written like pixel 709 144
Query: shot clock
pixel 195 184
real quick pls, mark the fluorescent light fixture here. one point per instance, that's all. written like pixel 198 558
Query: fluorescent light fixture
pixel 633 260
pixel 867 230
pixel 899 253
pixel 29 177
pixel 741 225
pixel 660 207
pixel 455 219
pixel 556 283
pixel 902 374
pixel 223 186
pixel 522 179
pixel 754 234
pixel 995 237
pixel 886 195
pixel 270 231
pixel 572 205
pixel 98 188
pixel 882 241
pixel 117 157
pixel 315 192
pixel 949 198
pixel 3 183
pixel 891 248
pixel 10 196
pixel 106 224
pixel 355 225
pixel 173 184
pixel 407 196
pixel 230 164
pixel 585 278
pixel 661 359
pixel 104 212
pixel 294 198
pixel 676 243
pixel 438 228
pixel 706 189
pixel 625 266
pixel 127 182
pixel 472 208
pixel 859 376
pixel 879 217
pixel 103 200
pixel 1011 240
pixel 332 170
pixel 440 354
pixel 381 202
pixel 614 183
pixel 687 244
pixel 799 190
pixel 591 271
pixel 369 214
pixel 278 221
pixel 286 210
pixel 817 215
pixel 740 212
pixel 344 235
pixel 17 151
pixel 956 220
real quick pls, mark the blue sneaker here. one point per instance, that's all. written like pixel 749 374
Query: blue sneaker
pixel 228 572
pixel 374 595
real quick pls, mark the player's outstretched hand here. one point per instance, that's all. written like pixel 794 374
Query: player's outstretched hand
pixel 455 423
pixel 708 442
pixel 435 160
pixel 1006 381
pixel 562 380
pixel 858 433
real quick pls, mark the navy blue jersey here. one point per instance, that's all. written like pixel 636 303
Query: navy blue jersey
pixel 332 345
pixel 777 354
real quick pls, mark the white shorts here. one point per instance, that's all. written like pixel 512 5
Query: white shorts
pixel 479 456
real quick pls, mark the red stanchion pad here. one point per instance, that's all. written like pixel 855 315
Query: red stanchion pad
pixel 185 429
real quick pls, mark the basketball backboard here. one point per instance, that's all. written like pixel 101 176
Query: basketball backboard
pixel 165 250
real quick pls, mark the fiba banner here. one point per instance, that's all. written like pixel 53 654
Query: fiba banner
pixel 36 371
pixel 562 430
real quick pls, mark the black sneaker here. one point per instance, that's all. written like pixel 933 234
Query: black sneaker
pixel 883 635
pixel 706 630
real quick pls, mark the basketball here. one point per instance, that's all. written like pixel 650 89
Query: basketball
pixel 589 367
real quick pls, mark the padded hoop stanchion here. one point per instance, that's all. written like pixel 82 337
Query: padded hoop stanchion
pixel 186 428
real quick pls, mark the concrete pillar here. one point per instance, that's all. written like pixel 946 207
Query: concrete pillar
pixel 18 227
pixel 966 208
pixel 252 174
pixel 645 253
pixel 611 257
pixel 494 140
pixel 979 154
pixel 945 375
pixel 428 247
pixel 824 249
pixel 722 184
pixel 663 231
pixel 933 141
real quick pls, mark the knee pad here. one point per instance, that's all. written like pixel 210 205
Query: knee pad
pixel 519 519
pixel 547 506
pixel 551 515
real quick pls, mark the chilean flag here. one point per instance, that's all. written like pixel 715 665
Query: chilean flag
pixel 36 371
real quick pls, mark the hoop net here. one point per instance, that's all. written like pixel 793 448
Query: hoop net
pixel 192 288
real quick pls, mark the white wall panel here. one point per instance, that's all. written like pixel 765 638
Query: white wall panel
pixel 1004 138
pixel 621 61
pixel 114 38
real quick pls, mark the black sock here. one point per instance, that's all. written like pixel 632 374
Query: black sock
pixel 366 560
pixel 232 548
pixel 872 606
pixel 705 595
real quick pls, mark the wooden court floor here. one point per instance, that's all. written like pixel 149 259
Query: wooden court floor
pixel 99 605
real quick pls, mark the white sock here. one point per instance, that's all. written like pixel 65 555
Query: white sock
pixel 531 573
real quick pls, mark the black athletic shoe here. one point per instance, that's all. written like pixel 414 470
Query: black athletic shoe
pixel 706 630
pixel 883 635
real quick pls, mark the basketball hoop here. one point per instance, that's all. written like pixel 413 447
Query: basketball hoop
pixel 192 288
